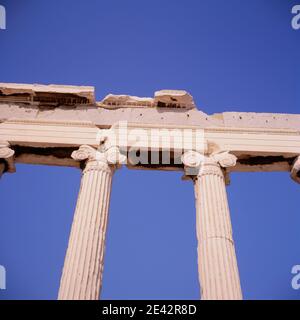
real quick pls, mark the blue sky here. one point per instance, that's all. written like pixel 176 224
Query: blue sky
pixel 231 56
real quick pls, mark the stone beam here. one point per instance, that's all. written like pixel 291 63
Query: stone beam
pixel 62 133
pixel 51 142
pixel 45 132
pixel 105 117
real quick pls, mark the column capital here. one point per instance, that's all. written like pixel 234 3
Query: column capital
pixel 196 164
pixel 192 159
pixel 224 158
pixel 7 154
pixel 99 159
pixel 295 172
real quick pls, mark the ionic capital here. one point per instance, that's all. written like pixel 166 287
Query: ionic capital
pixel 224 159
pixel 295 172
pixel 99 159
pixel 7 154
pixel 197 164
pixel 192 159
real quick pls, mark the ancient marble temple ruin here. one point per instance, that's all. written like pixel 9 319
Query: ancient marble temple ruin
pixel 65 126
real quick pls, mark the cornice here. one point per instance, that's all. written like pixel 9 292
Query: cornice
pixel 132 125
pixel 51 122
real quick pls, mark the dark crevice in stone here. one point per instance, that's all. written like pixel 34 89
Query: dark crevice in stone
pixel 58 152
pixel 265 160
pixel 157 157
pixel 59 99
pixel 45 99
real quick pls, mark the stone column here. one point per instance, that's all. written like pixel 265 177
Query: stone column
pixel 295 172
pixel 6 157
pixel 83 267
pixel 217 264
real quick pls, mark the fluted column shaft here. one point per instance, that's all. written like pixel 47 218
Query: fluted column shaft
pixel 217 264
pixel 83 267
pixel 218 270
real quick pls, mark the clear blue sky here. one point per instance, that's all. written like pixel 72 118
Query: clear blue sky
pixel 233 55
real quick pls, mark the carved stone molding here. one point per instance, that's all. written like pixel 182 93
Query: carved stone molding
pixel 114 156
pixel 225 159
pixel 192 159
pixel 99 159
pixel 7 154
pixel 84 152
pixel 295 172
pixel 216 163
